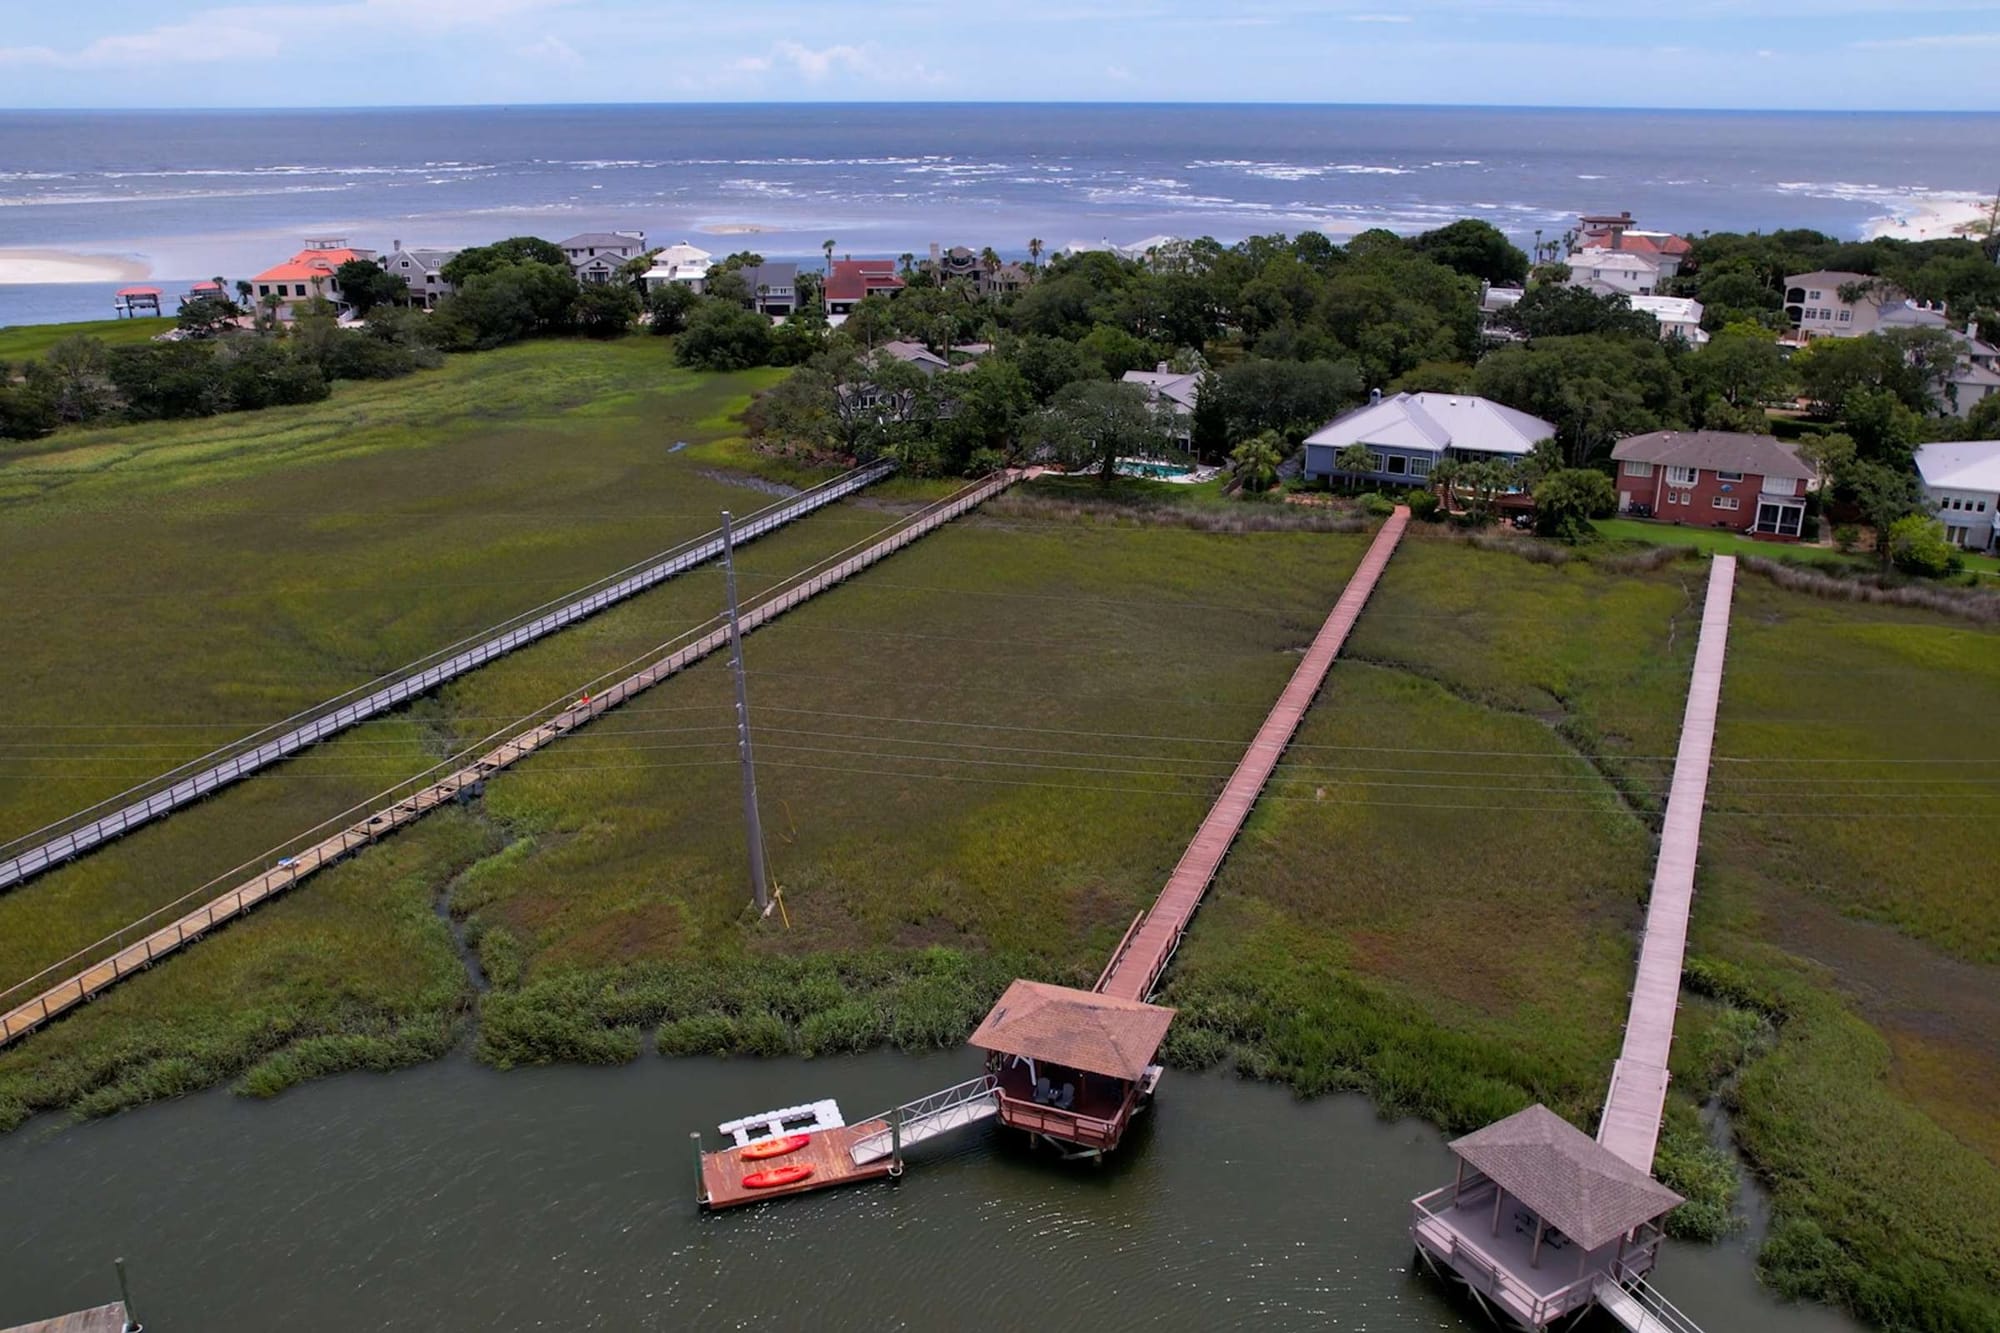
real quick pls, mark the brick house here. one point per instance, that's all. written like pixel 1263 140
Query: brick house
pixel 1752 484
pixel 854 280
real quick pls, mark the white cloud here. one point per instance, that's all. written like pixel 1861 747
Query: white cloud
pixel 553 49
pixel 818 64
pixel 261 32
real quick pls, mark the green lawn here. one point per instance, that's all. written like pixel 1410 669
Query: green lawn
pixel 18 342
pixel 1715 542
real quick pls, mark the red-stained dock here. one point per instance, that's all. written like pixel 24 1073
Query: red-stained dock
pixel 829 1152
pixel 1135 969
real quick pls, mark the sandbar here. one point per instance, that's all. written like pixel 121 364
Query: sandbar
pixel 25 266
pixel 1934 217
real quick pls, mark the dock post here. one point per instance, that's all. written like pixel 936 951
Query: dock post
pixel 700 1184
pixel 132 1324
pixel 896 1142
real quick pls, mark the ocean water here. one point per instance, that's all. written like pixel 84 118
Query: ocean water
pixel 205 193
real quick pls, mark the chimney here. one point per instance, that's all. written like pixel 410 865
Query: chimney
pixel 1374 396
pixel 934 256
pixel 395 246
pixel 1162 368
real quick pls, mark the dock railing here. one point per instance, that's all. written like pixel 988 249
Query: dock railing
pixel 1488 1275
pixel 927 1117
pixel 1090 1131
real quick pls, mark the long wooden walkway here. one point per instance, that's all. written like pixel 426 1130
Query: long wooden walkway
pixel 1637 1098
pixel 122 961
pixel 1136 967
pixel 80 832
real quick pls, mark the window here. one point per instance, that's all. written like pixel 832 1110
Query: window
pixel 1376 463
pixel 1398 465
pixel 1847 316
pixel 1634 468
pixel 1729 476
pixel 1682 476
pixel 1982 507
pixel 1420 467
pixel 1726 502
pixel 263 289
pixel 1813 295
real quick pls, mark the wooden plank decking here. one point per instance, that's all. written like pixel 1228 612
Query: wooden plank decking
pixel 103 1319
pixel 244 757
pixel 73 990
pixel 830 1154
pixel 1630 1126
pixel 1136 968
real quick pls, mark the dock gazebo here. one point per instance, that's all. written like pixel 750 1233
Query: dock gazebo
pixel 131 302
pixel 1071 1066
pixel 1542 1220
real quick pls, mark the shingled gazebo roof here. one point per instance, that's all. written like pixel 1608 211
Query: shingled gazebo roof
pixel 1077 1029
pixel 1577 1185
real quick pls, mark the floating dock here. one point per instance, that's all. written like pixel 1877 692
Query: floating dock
pixel 104 1319
pixel 829 1152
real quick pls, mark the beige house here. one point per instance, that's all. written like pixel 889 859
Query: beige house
pixel 1815 307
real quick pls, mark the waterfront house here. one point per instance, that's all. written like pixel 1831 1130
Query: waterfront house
pixel 956 262
pixel 854 280
pixel 1614 272
pixel 1541 1221
pixel 1617 232
pixel 1961 486
pixel 1755 484
pixel 774 288
pixel 1073 1066
pixel 1677 316
pixel 1816 308
pixel 682 264
pixel 1408 434
pixel 914 354
pixel 1005 280
pixel 307 275
pixel 597 256
pixel 1170 389
pixel 422 268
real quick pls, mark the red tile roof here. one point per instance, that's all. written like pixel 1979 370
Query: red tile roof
pixel 853 279
pixel 309 264
pixel 1632 243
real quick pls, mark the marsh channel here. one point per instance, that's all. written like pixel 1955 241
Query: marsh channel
pixel 453 1196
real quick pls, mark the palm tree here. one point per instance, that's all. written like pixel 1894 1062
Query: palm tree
pixel 828 247
pixel 1035 250
pixel 908 262
pixel 243 292
pixel 1357 461
pixel 1255 461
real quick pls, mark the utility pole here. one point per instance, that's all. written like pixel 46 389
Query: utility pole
pixel 759 885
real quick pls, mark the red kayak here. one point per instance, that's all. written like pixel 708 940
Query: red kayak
pixel 757 1152
pixel 776 1176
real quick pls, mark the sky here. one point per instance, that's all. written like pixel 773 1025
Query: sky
pixel 1792 54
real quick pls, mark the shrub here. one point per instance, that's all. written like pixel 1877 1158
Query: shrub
pixel 1917 546
pixel 1424 505
pixel 1847 537
pixel 1377 505
pixel 701 1034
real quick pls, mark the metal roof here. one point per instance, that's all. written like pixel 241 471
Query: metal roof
pixel 1435 422
pixel 1963 465
pixel 1579 1186
pixel 1077 1029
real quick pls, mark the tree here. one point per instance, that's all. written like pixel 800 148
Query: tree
pixel 1554 311
pixel 670 304
pixel 507 303
pixel 1594 389
pixel 606 310
pixel 168 380
pixel 206 316
pixel 1094 423
pixel 721 335
pixel 1884 494
pixel 1255 461
pixel 1741 366
pixel 1475 248
pixel 73 379
pixel 1208 424
pixel 1293 398
pixel 828 247
pixel 365 284
pixel 26 412
pixel 1035 251
pixel 1566 500
pixel 1357 461
pixel 501 254
pixel 1917 546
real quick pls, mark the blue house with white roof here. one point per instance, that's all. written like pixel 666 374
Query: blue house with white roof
pixel 1408 434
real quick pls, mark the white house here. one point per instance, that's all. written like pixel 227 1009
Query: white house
pixel 1961 484
pixel 680 263
pixel 1167 385
pixel 1815 307
pixel 596 256
pixel 1678 316
pixel 1614 272
pixel 1408 434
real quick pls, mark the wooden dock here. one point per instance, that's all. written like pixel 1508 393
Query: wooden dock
pixel 1134 970
pixel 179 787
pixel 104 1319
pixel 830 1153
pixel 1630 1126
pixel 141 952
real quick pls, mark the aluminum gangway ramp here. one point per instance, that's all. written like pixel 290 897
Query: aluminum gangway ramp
pixel 963 1104
pixel 1630 1126
pixel 1641 1309
pixel 1142 956
pixel 259 751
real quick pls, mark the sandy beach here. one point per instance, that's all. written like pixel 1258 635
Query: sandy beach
pixel 1934 217
pixel 35 266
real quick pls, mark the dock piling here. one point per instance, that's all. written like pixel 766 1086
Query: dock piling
pixel 700 1186
pixel 132 1324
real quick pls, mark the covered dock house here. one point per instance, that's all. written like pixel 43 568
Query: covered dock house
pixel 1071 1066
pixel 133 302
pixel 1542 1220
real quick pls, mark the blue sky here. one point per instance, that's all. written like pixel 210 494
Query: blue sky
pixel 1817 54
